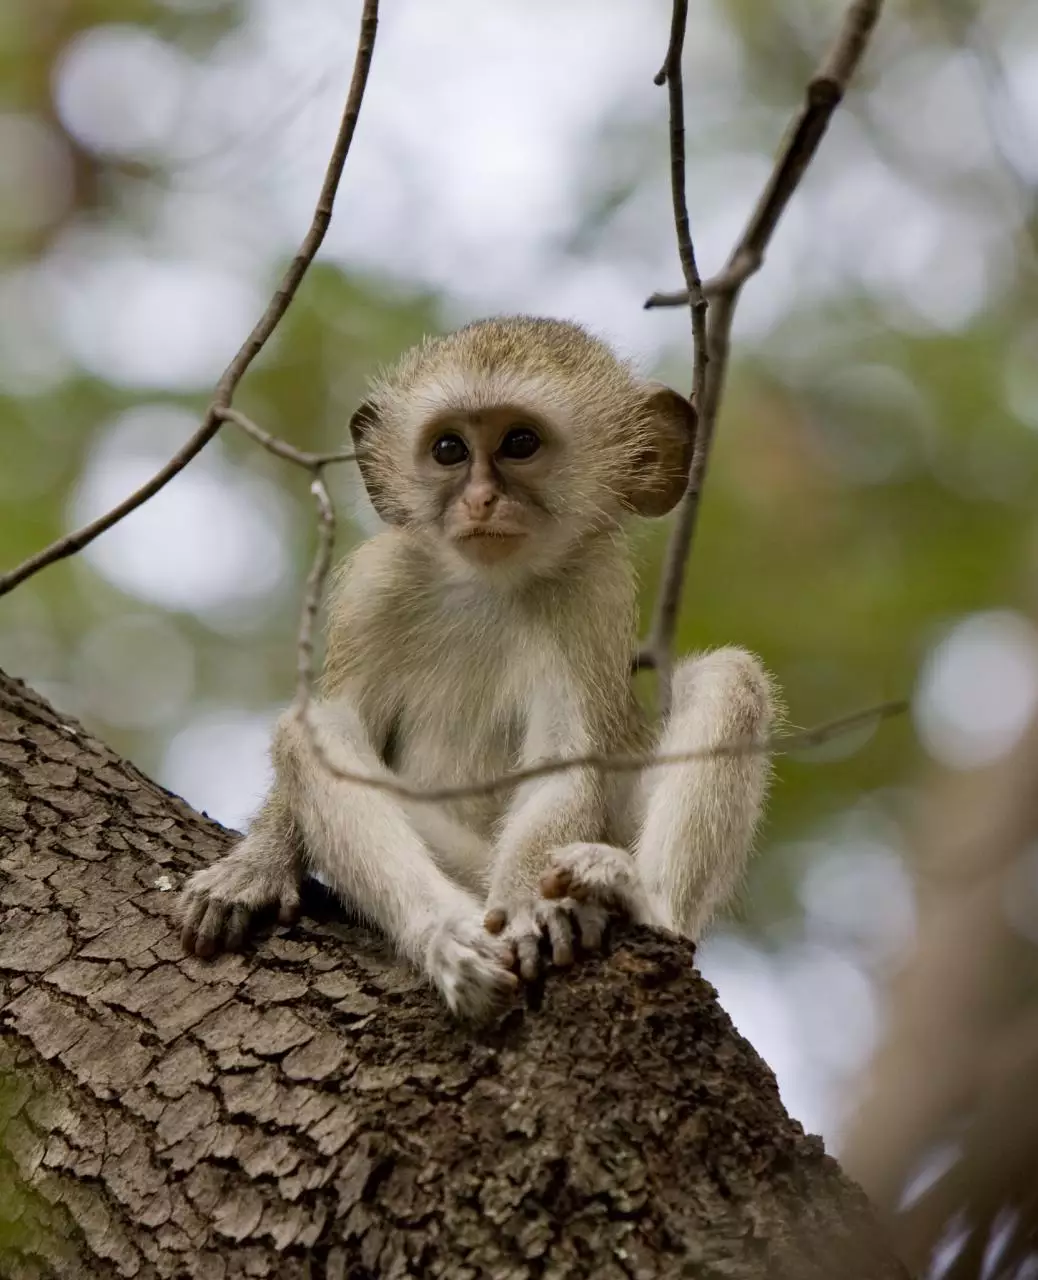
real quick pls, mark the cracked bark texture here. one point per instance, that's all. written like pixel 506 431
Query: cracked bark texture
pixel 309 1110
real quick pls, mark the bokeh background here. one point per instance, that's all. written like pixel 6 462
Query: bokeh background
pixel 871 518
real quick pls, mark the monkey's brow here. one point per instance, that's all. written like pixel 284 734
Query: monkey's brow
pixel 779 744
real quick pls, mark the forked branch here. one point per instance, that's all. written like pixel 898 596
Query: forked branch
pixel 216 413
pixel 824 92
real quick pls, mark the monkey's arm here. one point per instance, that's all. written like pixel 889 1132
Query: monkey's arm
pixel 359 839
pixel 545 815
pixel 548 816
pixel 362 842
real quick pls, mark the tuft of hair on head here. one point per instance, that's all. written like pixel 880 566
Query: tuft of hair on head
pixel 626 444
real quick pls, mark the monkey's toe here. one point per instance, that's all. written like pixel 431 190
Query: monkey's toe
pixel 592 922
pixel 560 936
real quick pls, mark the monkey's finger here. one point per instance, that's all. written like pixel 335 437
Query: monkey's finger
pixel 592 921
pixel 209 939
pixel 288 911
pixel 560 933
pixel 495 920
pixel 508 983
pixel 529 949
pixel 236 929
pixel 194 913
pixel 555 883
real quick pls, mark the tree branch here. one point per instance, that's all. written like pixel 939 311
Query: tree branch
pixel 670 72
pixel 253 344
pixel 780 743
pixel 823 94
pixel 281 448
pixel 315 464
pixel 309 1109
pixel 314 594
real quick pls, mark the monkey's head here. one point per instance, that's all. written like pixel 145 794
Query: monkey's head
pixel 512 439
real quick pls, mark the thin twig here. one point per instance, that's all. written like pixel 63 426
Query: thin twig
pixel 314 594
pixel 824 93
pixel 782 743
pixel 733 276
pixel 670 73
pixel 281 448
pixel 252 345
pixel 318 575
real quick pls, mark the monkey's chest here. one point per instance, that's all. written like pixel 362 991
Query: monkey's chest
pixel 439 743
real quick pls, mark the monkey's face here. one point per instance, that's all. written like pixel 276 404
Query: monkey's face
pixel 487 479
pixel 508 442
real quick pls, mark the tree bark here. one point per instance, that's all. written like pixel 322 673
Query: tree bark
pixel 309 1110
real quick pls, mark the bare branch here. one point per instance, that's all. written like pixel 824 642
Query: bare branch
pixel 316 579
pixel 823 94
pixel 252 345
pixel 782 743
pixel 694 295
pixel 314 594
pixel 733 276
pixel 281 448
pixel 671 73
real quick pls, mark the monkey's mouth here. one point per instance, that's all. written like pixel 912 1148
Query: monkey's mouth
pixel 489 543
pixel 469 534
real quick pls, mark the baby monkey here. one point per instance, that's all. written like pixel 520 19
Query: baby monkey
pixel 491 626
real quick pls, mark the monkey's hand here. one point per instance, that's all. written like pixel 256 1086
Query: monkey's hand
pixel 218 904
pixel 471 970
pixel 584 886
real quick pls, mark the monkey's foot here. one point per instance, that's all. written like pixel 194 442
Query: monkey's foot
pixel 218 904
pixel 602 875
pixel 470 969
pixel 558 925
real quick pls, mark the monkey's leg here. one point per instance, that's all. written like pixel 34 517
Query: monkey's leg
pixel 363 843
pixel 700 817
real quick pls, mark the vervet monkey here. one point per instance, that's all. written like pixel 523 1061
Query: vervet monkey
pixel 492 626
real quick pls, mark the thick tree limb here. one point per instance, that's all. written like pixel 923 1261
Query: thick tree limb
pixel 253 344
pixel 310 1110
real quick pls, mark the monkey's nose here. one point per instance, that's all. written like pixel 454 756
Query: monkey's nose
pixel 480 499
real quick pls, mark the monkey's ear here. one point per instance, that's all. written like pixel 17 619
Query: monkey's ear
pixel 660 474
pixel 363 425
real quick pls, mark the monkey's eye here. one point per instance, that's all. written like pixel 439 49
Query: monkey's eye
pixel 448 451
pixel 521 442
